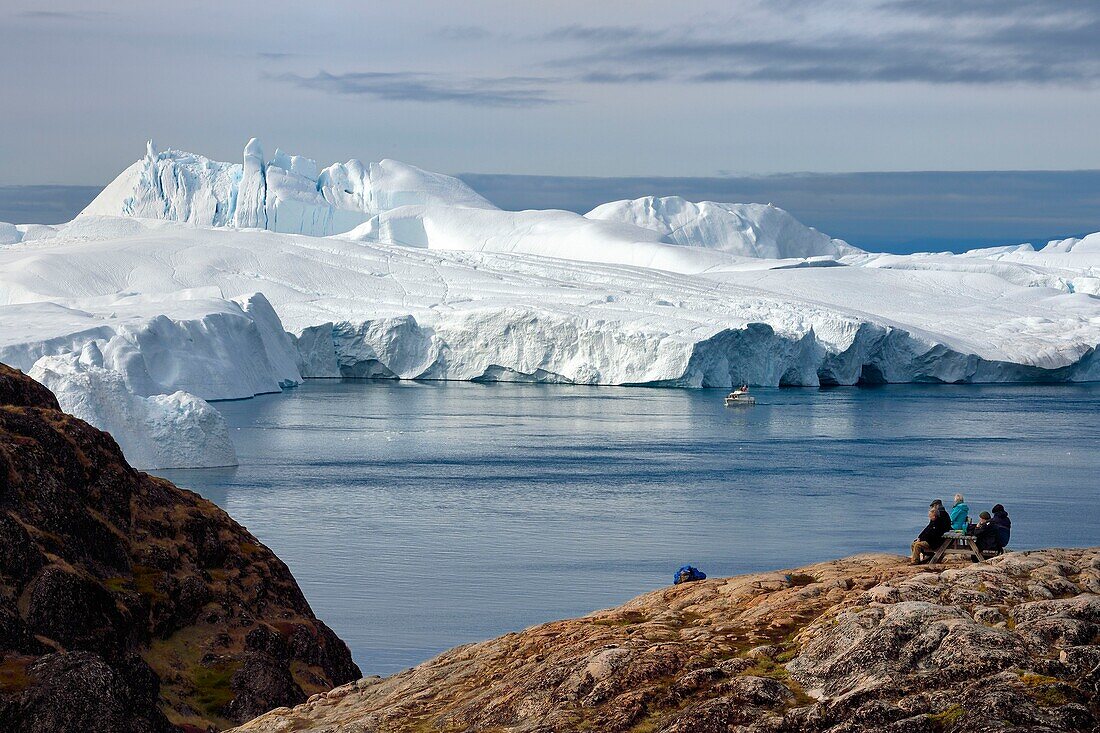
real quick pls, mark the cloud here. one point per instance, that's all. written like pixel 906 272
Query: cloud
pixel 600 33
pixel 508 91
pixel 984 8
pixel 613 77
pixel 64 14
pixel 276 55
pixel 979 42
pixel 463 33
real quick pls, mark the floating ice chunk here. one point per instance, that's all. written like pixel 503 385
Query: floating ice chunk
pixel 186 340
pixel 177 430
pixel 9 234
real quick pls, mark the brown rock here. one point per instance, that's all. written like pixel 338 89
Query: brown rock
pixel 127 604
pixel 866 643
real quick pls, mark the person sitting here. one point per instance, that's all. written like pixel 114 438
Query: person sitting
pixel 1003 525
pixel 985 532
pixel 931 537
pixel 960 514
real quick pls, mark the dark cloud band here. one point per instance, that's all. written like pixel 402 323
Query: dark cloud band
pixel 514 91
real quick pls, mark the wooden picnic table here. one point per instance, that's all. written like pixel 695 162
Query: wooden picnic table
pixel 968 545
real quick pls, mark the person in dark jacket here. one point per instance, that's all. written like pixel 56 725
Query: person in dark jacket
pixel 931 537
pixel 986 533
pixel 1003 525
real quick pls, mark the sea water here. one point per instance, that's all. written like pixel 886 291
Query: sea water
pixel 419 516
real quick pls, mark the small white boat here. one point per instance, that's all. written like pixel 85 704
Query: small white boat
pixel 740 396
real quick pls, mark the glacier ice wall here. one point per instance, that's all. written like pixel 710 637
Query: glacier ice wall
pixel 210 347
pixel 517 345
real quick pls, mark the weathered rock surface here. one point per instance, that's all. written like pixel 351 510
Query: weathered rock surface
pixel 128 604
pixel 866 643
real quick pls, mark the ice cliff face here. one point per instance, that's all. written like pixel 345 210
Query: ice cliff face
pixel 747 230
pixel 286 194
pixel 140 366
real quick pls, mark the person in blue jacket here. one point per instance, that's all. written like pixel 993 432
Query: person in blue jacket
pixel 960 513
pixel 687 574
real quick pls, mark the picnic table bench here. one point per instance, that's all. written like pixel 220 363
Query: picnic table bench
pixel 967 545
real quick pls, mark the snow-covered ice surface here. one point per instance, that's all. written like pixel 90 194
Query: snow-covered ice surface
pixel 191 284
pixel 560 234
pixel 748 230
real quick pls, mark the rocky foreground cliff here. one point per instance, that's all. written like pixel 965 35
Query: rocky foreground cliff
pixel 867 643
pixel 130 605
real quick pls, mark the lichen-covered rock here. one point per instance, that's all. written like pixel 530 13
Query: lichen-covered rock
pixel 129 605
pixel 866 643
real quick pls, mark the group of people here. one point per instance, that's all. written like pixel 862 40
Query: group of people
pixel 992 530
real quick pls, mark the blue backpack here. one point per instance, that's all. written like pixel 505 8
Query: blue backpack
pixel 687 573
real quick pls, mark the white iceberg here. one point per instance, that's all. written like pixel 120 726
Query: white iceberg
pixel 559 234
pixel 746 230
pixel 177 430
pixel 191 340
pixel 287 194
pixel 421 278
pixel 363 308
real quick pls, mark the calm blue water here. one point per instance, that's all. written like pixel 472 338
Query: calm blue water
pixel 418 516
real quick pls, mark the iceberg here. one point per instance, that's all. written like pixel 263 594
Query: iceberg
pixel 395 203
pixel 288 194
pixel 189 340
pixel 747 230
pixel 177 430
pixel 362 308
pixel 559 234
pixel 140 366
pixel 193 281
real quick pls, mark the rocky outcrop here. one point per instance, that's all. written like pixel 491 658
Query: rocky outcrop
pixel 128 604
pixel 867 643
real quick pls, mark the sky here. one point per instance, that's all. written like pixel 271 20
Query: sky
pixel 563 88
